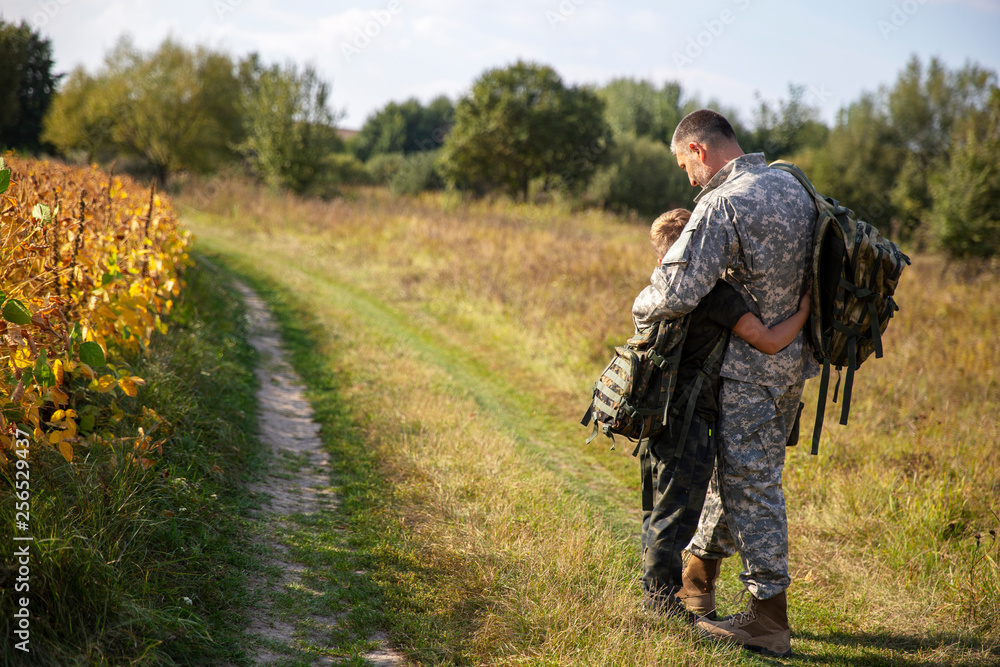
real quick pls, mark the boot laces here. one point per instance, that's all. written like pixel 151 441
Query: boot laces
pixel 744 617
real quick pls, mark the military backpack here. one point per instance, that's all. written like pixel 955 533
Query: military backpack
pixel 855 271
pixel 634 398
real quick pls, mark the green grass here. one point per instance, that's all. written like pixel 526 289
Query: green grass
pixel 439 602
pixel 134 566
pixel 448 348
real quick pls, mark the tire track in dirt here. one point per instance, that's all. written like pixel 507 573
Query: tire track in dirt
pixel 298 482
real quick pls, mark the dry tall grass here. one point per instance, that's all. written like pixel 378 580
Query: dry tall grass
pixel 891 541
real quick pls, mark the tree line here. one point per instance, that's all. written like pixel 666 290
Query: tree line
pixel 919 158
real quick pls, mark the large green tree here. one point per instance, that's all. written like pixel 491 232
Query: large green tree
pixel 859 160
pixel 638 172
pixel 81 119
pixel 289 125
pixel 173 109
pixel 640 109
pixel 966 195
pixel 642 175
pixel 882 153
pixel 407 127
pixel 180 107
pixel 929 107
pixel 522 123
pixel 26 85
pixel 787 128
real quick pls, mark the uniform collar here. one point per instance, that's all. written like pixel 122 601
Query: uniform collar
pixel 734 167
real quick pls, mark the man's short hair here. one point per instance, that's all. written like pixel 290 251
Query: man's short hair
pixel 667 228
pixel 703 126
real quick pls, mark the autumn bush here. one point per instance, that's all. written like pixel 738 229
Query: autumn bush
pixel 124 493
pixel 89 265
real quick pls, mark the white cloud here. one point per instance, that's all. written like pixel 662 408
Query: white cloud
pixel 520 19
pixel 438 6
pixel 437 29
pixel 498 52
pixel 644 21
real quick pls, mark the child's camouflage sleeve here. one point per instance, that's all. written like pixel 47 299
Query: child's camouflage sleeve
pixel 691 268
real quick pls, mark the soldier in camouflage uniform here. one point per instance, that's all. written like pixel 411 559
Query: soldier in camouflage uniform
pixel 678 463
pixel 752 226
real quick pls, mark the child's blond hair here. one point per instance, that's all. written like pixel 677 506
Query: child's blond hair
pixel 667 228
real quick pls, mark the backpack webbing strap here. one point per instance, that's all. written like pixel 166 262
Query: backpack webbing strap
pixel 852 355
pixel 642 432
pixel 613 397
pixel 692 401
pixel 618 365
pixel 793 433
pixel 590 408
pixel 646 470
pixel 876 333
pixel 869 298
pixel 852 364
pixel 667 363
pixel 873 311
pixel 669 388
pixel 605 429
pixel 824 384
pixel 694 391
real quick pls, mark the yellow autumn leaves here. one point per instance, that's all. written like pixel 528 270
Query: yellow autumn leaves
pixel 89 265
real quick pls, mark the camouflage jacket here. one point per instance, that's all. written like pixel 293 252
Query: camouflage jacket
pixel 753 227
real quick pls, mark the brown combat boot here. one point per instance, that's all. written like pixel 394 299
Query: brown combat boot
pixel 762 628
pixel 698 586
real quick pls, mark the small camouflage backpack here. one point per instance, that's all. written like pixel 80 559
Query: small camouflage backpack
pixel 855 271
pixel 633 397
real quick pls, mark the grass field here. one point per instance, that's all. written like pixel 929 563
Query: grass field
pixel 136 566
pixel 449 348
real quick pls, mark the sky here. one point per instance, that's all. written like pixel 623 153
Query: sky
pixel 734 52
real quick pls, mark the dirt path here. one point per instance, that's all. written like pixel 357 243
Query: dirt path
pixel 298 483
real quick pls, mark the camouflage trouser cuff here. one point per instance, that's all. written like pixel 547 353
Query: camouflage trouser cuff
pixel 765 591
pixel 708 554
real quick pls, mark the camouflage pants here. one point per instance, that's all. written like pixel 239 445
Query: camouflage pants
pixel 672 505
pixel 745 506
